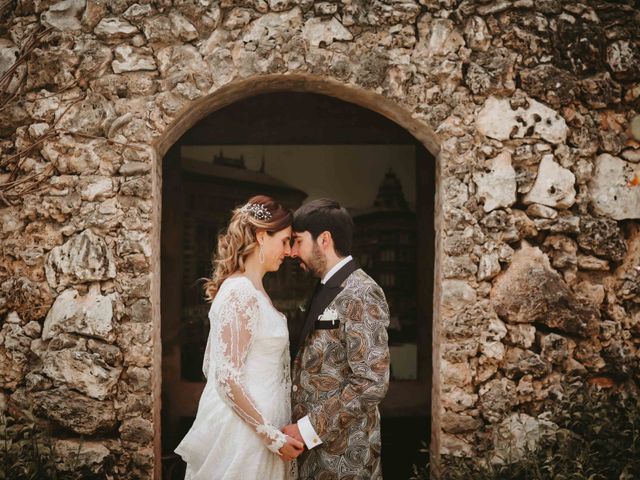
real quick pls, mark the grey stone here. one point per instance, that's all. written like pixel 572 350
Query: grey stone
pixel 477 34
pixel 554 348
pixel 519 435
pixel 459 423
pixel 519 362
pixel 589 262
pixel 131 59
pixel 562 250
pixel 75 411
pixel 602 237
pixel 90 315
pixel 530 291
pixel 137 430
pixel 83 258
pixel 64 15
pixel 82 371
pixel 520 335
pixel 81 456
pixel 496 399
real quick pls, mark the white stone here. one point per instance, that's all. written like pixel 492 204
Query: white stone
pixel 37 130
pixel 521 335
pixel 494 350
pixel 497 188
pixel 10 221
pixel 319 32
pixel 90 315
pixel 83 258
pixel 72 455
pixel 541 211
pixel 96 188
pixel 498 120
pixel 620 56
pixel 496 330
pixel 457 399
pixel 631 155
pixel 64 15
pixel 589 262
pixel 182 28
pixel 477 34
pixel 489 266
pixel 69 156
pixel 82 371
pixel 519 435
pixel 8 55
pixel 456 294
pixel 614 192
pixel 114 28
pixel 455 373
pixel 438 36
pixel 137 12
pixel 129 59
pixel 269 28
pixel 554 185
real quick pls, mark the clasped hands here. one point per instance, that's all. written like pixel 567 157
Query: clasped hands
pixel 295 443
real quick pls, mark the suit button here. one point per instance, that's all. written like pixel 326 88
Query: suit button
pixel 294 388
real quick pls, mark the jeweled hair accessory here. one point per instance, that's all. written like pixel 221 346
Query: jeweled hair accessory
pixel 257 211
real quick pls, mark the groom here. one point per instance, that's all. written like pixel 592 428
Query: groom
pixel 341 362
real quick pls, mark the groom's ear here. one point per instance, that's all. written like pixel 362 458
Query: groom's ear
pixel 324 239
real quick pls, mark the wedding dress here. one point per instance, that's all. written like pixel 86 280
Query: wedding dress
pixel 246 400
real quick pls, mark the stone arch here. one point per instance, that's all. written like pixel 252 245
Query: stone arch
pixel 304 83
pixel 297 82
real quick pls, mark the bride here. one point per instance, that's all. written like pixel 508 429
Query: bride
pixel 246 400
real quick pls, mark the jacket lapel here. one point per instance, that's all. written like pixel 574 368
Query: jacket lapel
pixel 323 298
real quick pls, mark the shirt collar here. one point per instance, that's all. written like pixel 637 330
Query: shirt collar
pixel 335 268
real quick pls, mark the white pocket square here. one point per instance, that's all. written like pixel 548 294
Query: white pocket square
pixel 329 315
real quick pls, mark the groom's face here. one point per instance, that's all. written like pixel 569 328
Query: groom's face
pixel 308 253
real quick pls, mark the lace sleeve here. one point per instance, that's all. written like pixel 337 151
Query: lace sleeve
pixel 234 335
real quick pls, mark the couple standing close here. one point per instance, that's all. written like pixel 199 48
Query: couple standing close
pixel 243 429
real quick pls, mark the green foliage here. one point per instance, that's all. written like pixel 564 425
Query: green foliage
pixel 27 451
pixel 598 439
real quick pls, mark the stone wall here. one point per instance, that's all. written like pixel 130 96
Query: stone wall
pixel 538 240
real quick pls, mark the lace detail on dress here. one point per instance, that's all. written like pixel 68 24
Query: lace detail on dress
pixel 231 338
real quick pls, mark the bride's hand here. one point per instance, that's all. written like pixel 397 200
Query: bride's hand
pixel 291 449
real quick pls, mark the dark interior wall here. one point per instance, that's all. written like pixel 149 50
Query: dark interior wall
pixel 295 118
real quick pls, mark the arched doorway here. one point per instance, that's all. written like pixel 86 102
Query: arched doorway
pixel 227 125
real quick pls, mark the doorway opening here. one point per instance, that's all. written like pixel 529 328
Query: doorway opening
pixel 296 147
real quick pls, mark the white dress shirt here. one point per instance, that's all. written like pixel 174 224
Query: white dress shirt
pixel 309 435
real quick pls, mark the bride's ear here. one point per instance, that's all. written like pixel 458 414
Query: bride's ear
pixel 260 236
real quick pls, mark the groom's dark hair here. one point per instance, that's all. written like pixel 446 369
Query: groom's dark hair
pixel 326 215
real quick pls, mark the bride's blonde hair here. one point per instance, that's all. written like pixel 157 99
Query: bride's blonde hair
pixel 237 242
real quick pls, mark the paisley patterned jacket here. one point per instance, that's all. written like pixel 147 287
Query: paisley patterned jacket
pixel 340 375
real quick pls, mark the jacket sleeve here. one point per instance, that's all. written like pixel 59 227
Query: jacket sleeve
pixel 233 333
pixel 366 384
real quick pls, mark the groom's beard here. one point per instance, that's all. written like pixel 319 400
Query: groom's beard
pixel 317 264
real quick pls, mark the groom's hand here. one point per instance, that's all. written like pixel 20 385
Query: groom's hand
pixel 293 431
pixel 291 449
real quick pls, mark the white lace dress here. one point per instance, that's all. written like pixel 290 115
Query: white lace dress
pixel 246 400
